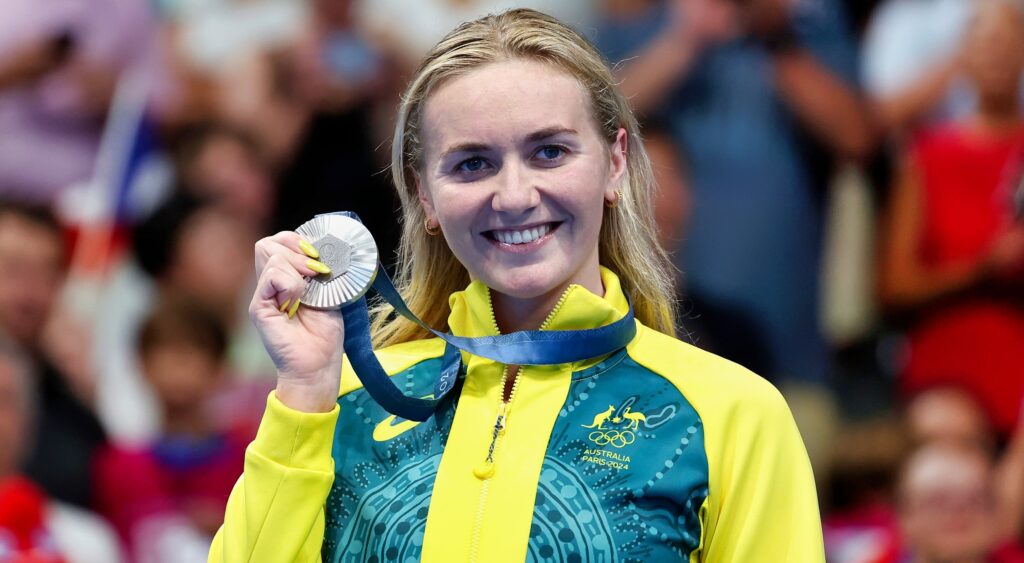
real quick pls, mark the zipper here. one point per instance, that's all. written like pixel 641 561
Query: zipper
pixel 485 470
pixel 547 320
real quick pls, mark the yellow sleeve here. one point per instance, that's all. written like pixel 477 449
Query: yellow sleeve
pixel 762 504
pixel 276 509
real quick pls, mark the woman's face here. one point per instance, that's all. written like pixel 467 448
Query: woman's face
pixel 995 50
pixel 516 172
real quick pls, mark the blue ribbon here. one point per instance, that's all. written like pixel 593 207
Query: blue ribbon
pixel 528 347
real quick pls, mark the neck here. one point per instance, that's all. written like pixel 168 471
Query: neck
pixel 528 313
pixel 189 421
pixel 998 113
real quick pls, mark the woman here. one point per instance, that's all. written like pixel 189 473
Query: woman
pixel 526 203
pixel 953 250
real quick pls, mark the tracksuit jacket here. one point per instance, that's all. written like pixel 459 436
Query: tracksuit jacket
pixel 659 452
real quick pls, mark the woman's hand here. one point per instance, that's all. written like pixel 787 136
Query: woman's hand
pixel 306 345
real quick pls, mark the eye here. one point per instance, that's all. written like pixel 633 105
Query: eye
pixel 551 152
pixel 471 165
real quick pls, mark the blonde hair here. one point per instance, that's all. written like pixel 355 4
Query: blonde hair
pixel 427 271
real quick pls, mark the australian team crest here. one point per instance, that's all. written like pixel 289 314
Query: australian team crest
pixel 615 427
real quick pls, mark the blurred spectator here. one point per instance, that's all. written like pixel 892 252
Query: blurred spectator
pixel 860 523
pixel 956 499
pixel 950 507
pixel 758 95
pixel 672 202
pixel 58 69
pixel 224 165
pixel 212 35
pixel 312 105
pixel 912 62
pixel 31 274
pixel 33 528
pixel 414 27
pixel 952 250
pixel 186 248
pixel 948 414
pixel 175 488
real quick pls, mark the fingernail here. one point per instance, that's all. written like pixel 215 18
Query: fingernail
pixel 318 267
pixel 295 307
pixel 309 249
pixel 284 306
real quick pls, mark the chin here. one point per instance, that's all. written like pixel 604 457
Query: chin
pixel 527 282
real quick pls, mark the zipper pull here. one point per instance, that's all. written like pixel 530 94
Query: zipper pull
pixel 485 470
pixel 499 424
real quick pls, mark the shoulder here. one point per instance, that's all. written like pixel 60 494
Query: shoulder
pixel 394 359
pixel 722 392
pixel 749 436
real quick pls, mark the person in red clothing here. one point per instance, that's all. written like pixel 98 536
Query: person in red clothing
pixel 168 498
pixel 955 505
pixel 25 536
pixel 952 251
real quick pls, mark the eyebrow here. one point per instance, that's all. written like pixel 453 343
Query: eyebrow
pixel 548 132
pixel 540 135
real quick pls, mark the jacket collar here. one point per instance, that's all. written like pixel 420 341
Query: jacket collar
pixel 472 314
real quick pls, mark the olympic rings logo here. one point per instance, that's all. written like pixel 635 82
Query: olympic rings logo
pixel 612 437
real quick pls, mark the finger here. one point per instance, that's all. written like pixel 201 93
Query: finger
pixel 293 241
pixel 308 249
pixel 265 246
pixel 299 260
pixel 279 286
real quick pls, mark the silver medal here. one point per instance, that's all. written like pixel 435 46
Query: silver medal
pixel 348 249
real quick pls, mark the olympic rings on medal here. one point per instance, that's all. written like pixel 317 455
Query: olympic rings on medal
pixel 612 437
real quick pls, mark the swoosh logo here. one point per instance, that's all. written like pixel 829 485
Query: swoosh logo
pixel 387 429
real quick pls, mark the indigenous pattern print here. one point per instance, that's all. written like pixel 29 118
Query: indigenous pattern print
pixel 623 479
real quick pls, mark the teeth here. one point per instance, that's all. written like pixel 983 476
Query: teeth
pixel 521 237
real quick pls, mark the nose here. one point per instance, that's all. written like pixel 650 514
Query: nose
pixel 516 189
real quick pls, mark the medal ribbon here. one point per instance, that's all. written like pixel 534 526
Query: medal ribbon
pixel 527 347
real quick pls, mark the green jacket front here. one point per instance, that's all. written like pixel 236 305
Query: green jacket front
pixel 660 452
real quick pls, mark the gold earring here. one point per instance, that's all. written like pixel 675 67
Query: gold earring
pixel 432 231
pixel 615 202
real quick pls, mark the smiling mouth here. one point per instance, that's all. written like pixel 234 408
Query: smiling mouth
pixel 522 235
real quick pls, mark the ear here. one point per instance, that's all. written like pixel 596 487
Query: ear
pixel 617 163
pixel 425 201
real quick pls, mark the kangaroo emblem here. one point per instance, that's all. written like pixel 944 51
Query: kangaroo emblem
pixel 635 418
pixel 600 419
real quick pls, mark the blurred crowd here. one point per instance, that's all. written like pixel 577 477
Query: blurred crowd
pixel 841 188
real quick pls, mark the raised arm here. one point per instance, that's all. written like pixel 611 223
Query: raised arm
pixel 898 111
pixel 814 63
pixel 828 106
pixel 905 280
pixel 904 88
pixel 26 63
pixel 276 510
pixel 651 74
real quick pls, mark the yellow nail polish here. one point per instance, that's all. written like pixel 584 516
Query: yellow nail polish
pixel 309 249
pixel 295 307
pixel 318 267
pixel 284 306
